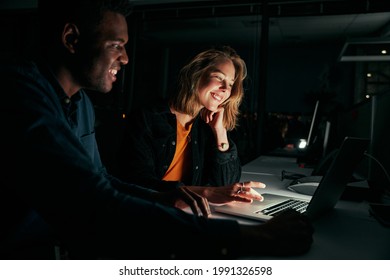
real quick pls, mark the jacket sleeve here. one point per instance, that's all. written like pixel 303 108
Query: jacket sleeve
pixel 226 168
pixel 220 168
pixel 144 151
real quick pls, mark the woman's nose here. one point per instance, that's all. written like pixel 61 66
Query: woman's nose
pixel 224 86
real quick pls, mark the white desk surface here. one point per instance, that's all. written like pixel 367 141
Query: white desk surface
pixel 347 232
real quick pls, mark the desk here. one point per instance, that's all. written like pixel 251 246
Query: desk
pixel 347 232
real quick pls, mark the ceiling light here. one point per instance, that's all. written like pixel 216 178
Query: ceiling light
pixel 365 49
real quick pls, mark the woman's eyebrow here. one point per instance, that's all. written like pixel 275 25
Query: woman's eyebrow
pixel 220 71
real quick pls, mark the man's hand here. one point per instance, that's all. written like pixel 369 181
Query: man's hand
pixel 182 198
pixel 289 233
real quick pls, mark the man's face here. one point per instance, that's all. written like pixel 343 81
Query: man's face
pixel 105 56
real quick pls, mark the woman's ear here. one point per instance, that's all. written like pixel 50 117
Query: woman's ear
pixel 70 37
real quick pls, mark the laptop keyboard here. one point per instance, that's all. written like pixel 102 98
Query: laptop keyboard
pixel 297 205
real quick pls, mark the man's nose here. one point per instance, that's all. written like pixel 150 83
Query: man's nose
pixel 124 59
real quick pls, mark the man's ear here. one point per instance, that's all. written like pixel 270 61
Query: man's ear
pixel 70 37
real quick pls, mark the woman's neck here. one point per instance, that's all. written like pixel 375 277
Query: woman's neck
pixel 183 119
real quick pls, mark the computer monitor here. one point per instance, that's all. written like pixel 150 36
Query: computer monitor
pixel 313 120
pixel 379 164
pixel 316 146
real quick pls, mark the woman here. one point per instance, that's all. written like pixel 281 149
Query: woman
pixel 186 140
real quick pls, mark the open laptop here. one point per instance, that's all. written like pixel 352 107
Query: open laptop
pixel 328 192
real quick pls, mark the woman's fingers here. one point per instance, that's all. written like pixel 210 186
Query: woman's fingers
pixel 254 184
pixel 244 192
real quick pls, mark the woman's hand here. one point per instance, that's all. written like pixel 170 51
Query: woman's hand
pixel 213 119
pixel 242 192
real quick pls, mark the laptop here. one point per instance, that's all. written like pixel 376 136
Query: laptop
pixel 325 197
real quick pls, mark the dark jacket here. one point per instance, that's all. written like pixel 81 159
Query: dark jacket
pixel 149 147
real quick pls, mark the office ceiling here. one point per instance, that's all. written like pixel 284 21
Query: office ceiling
pixel 291 22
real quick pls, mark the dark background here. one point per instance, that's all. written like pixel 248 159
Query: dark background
pixel 292 50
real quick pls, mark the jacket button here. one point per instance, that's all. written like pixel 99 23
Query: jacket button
pixel 173 143
pixel 196 167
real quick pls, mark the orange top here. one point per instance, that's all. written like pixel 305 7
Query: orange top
pixel 180 165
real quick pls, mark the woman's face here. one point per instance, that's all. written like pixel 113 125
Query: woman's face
pixel 216 85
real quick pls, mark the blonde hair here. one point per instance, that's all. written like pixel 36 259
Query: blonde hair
pixel 187 100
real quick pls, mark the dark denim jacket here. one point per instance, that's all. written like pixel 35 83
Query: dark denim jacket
pixel 149 147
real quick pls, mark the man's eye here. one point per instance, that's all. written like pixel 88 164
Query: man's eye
pixel 117 46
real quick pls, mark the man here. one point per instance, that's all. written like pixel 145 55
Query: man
pixel 55 190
